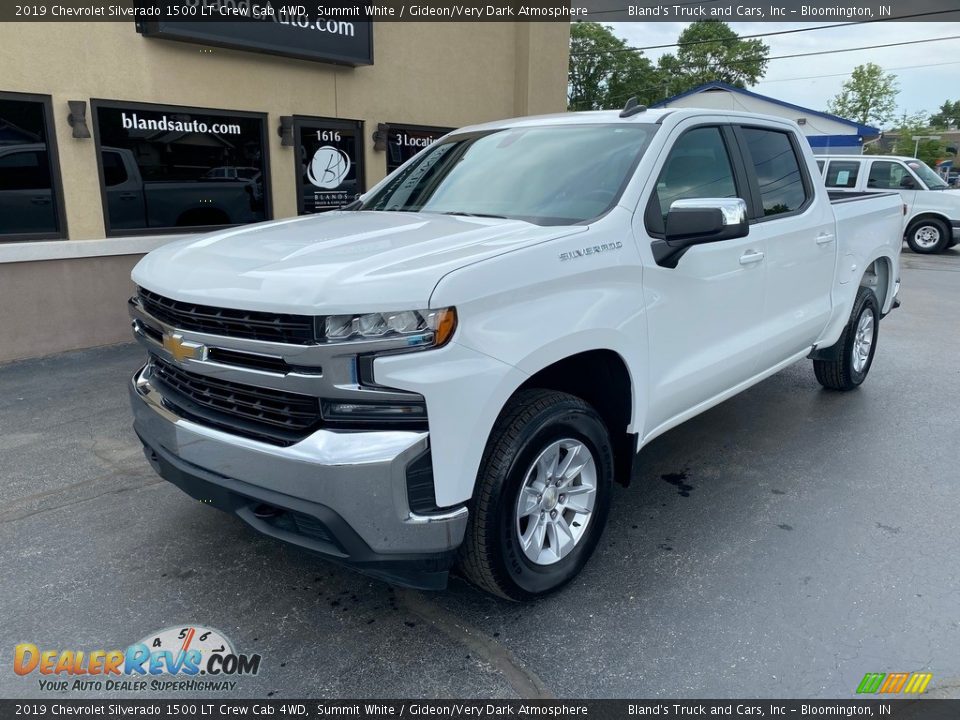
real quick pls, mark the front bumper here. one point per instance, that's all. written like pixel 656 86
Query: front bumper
pixel 340 494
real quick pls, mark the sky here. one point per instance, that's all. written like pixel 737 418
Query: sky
pixel 928 73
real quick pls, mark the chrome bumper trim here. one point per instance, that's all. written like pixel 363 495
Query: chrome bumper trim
pixel 359 475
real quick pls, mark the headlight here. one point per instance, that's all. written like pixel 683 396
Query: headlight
pixel 419 327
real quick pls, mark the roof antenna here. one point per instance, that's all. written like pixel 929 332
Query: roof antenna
pixel 632 108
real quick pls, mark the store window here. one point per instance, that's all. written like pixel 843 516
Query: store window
pixel 31 200
pixel 329 161
pixel 405 141
pixel 175 168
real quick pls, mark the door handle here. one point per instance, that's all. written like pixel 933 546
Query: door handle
pixel 750 257
pixel 128 196
pixel 40 200
pixel 824 238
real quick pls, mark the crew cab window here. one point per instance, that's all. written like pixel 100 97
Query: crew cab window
pixel 777 169
pixel 842 174
pixel 888 176
pixel 698 167
pixel 24 170
pixel 113 171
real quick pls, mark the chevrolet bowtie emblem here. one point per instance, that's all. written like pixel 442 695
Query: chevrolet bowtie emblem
pixel 183 349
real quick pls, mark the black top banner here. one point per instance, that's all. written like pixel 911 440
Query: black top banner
pixel 334 17
pixel 213 708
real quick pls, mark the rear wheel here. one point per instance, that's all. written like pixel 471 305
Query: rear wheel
pixel 928 236
pixel 855 348
pixel 542 496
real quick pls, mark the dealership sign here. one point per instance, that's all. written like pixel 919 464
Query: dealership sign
pixel 267 26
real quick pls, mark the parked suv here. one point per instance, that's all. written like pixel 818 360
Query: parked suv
pixel 932 219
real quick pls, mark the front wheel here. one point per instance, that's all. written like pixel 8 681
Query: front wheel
pixel 542 496
pixel 855 348
pixel 928 236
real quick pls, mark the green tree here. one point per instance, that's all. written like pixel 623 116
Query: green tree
pixel 914 125
pixel 710 51
pixel 605 72
pixel 948 116
pixel 869 97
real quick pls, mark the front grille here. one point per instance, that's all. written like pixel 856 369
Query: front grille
pixel 274 416
pixel 249 324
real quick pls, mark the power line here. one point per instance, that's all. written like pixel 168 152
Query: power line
pixel 889 69
pixel 760 35
pixel 662 85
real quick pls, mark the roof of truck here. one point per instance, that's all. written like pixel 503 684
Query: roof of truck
pixel 613 116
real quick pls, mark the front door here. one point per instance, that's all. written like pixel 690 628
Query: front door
pixel 702 315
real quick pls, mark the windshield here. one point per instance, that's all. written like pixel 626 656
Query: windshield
pixel 929 177
pixel 548 175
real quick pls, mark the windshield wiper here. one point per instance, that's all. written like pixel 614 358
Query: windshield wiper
pixel 480 215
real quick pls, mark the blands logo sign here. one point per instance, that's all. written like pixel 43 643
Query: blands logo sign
pixel 893 683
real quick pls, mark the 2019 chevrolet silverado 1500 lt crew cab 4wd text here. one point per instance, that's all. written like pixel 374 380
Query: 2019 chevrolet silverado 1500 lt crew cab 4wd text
pixel 453 370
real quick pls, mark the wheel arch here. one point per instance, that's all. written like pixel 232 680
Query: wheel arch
pixel 602 378
pixel 925 215
pixel 878 276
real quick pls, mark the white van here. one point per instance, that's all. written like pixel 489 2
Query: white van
pixel 932 218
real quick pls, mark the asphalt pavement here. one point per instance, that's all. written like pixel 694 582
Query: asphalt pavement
pixel 780 545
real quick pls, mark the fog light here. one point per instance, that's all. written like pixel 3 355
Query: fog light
pixel 335 411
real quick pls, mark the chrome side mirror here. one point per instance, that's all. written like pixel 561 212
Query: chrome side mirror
pixel 697 221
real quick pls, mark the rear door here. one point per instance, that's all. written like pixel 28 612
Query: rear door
pixel 125 201
pixel 703 315
pixel 798 229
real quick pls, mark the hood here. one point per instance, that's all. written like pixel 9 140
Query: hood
pixel 338 262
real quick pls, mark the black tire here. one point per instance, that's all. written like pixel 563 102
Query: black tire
pixel 841 373
pixel 491 556
pixel 929 228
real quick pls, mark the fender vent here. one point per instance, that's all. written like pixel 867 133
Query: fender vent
pixel 421 494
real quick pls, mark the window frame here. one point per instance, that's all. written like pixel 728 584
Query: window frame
pixel 299 121
pixel 755 205
pixel 97 103
pixel 56 178
pixel 652 210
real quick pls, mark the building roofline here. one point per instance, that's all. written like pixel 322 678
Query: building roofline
pixel 862 130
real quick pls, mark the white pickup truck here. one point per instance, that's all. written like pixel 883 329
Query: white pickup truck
pixel 454 370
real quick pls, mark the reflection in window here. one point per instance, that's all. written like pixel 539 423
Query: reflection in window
pixel 698 167
pixel 171 167
pixel 778 170
pixel 888 176
pixel 28 201
pixel 405 142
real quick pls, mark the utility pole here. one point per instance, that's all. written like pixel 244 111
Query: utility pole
pixel 918 138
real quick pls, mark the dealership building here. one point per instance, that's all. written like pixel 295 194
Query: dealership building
pixel 118 137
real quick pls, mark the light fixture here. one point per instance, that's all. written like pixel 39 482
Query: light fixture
pixel 380 137
pixel 77 119
pixel 285 131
